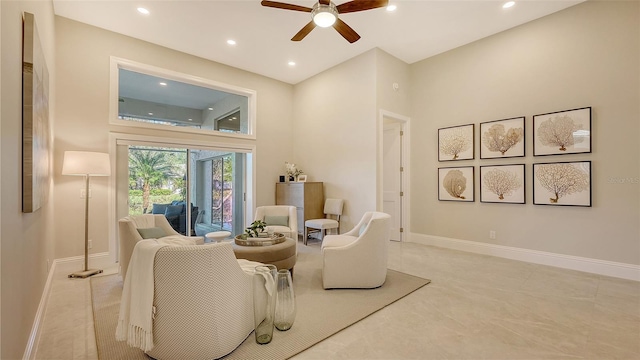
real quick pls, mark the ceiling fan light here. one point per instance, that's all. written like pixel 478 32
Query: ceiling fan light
pixel 324 19
pixel 324 15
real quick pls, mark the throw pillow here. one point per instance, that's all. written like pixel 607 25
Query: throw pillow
pixel 277 220
pixel 151 233
pixel 159 208
pixel 173 210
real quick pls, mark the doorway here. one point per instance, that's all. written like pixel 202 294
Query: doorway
pixel 394 172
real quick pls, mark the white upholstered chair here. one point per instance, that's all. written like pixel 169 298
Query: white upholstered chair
pixel 280 218
pixel 358 258
pixel 332 212
pixel 134 228
pixel 203 301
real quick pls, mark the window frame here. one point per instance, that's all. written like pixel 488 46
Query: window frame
pixel 117 63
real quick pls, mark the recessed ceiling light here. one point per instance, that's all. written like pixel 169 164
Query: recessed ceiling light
pixel 508 4
pixel 210 108
pixel 292 63
pixel 163 83
pixel 144 11
pixel 231 42
pixel 392 8
pixel 190 119
pixel 150 113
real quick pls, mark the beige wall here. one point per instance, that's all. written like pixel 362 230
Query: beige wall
pixel 83 54
pixel 335 133
pixel 391 70
pixel 587 55
pixel 26 239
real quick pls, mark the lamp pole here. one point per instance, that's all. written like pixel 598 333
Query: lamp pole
pixel 86 272
pixel 86 163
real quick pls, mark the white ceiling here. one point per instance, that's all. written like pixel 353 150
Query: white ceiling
pixel 416 30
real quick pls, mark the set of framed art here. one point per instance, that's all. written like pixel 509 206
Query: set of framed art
pixel 554 183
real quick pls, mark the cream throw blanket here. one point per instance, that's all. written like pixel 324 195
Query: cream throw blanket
pixel 135 322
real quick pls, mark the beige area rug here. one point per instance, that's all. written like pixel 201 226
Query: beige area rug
pixel 320 313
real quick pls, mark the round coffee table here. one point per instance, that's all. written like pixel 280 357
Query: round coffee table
pixel 217 236
pixel 282 255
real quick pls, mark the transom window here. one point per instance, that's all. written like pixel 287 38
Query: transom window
pixel 147 96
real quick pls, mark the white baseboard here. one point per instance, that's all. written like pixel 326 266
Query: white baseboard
pixel 66 265
pixel 36 328
pixel 76 263
pixel 595 266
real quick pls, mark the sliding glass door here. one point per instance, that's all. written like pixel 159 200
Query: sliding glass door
pixel 197 190
pixel 217 184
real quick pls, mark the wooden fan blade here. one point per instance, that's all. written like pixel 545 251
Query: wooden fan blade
pixel 361 5
pixel 304 31
pixel 346 31
pixel 279 5
pixel 325 2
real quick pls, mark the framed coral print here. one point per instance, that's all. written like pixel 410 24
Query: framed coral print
pixel 456 143
pixel 562 183
pixel 456 184
pixel 503 184
pixel 562 132
pixel 502 138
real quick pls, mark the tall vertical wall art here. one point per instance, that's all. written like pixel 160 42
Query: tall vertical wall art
pixel 35 119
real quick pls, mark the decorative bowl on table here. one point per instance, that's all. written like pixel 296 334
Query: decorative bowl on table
pixel 262 240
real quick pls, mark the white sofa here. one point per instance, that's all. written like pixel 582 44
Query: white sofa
pixel 358 258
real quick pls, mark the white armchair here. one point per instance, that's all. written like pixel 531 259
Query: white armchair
pixel 358 258
pixel 281 218
pixel 203 301
pixel 132 229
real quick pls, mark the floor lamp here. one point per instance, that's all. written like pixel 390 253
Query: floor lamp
pixel 87 164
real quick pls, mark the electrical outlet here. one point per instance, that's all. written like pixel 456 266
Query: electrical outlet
pixel 90 243
pixel 492 234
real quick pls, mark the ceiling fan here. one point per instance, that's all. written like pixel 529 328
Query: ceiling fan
pixel 325 13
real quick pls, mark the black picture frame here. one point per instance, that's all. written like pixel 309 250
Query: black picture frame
pixel 456 143
pixel 572 188
pixel 503 184
pixel 456 183
pixel 562 132
pixel 501 139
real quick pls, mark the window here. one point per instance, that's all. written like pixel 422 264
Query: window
pixel 146 96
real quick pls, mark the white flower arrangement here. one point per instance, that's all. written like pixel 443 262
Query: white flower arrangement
pixel 292 171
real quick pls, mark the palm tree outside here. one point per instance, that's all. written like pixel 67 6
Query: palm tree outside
pixel 152 168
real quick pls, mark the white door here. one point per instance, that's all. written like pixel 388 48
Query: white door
pixel 392 176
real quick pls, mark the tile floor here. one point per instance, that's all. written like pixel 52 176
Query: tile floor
pixel 477 307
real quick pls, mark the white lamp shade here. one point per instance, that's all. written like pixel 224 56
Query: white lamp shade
pixel 86 163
